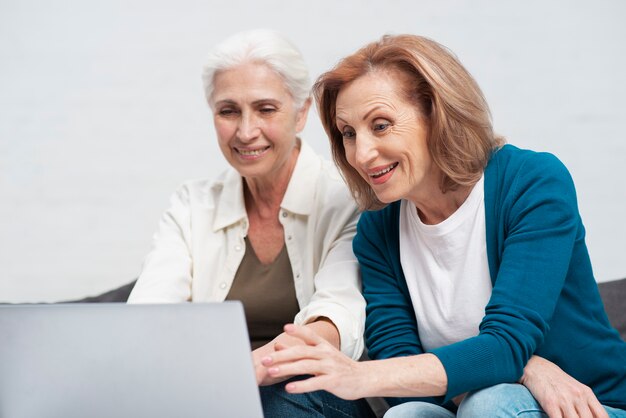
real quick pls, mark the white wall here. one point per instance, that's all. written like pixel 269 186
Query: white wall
pixel 102 113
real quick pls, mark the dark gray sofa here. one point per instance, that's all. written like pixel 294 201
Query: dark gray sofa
pixel 613 295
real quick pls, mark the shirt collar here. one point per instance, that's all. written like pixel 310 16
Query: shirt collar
pixel 300 195
pixel 230 207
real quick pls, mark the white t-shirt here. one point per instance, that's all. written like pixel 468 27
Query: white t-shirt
pixel 446 270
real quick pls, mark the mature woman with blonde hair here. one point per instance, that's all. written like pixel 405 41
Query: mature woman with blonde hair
pixel 274 230
pixel 481 300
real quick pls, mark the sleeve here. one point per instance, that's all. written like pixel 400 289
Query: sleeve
pixel 337 283
pixel 390 326
pixel 540 219
pixel 167 269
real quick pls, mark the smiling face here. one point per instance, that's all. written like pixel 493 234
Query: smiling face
pixel 385 137
pixel 256 121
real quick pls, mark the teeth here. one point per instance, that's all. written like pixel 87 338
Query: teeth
pixel 251 152
pixel 384 171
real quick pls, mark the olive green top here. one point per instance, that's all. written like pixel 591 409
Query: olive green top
pixel 267 293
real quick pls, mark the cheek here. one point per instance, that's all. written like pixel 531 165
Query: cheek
pixel 279 132
pixel 224 130
pixel 349 151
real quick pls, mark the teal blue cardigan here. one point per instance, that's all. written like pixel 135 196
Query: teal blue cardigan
pixel 545 300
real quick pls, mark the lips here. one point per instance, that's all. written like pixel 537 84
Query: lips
pixel 383 171
pixel 251 152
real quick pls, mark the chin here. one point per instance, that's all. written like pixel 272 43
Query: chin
pixel 387 198
pixel 247 173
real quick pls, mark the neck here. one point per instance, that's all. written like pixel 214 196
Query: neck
pixel 434 206
pixel 437 210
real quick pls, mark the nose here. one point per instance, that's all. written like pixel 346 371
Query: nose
pixel 248 128
pixel 366 150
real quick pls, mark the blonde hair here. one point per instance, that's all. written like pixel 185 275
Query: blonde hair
pixel 460 133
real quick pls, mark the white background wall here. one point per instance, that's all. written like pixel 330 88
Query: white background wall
pixel 102 113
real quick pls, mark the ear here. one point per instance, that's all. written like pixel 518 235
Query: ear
pixel 302 115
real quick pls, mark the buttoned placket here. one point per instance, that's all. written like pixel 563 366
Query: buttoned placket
pixel 234 254
pixel 287 220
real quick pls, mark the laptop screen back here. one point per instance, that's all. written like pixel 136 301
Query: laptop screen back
pixel 117 360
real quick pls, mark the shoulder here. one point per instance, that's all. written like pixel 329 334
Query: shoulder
pixel 515 170
pixel 520 183
pixel 512 161
pixel 206 191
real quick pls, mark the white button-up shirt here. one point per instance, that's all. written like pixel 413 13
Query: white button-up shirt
pixel 200 244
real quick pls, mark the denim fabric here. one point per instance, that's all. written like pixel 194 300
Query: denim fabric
pixel 277 403
pixel 615 413
pixel 418 410
pixel 504 401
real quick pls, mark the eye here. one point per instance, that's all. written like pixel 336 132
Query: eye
pixel 227 111
pixel 380 125
pixel 347 133
pixel 267 110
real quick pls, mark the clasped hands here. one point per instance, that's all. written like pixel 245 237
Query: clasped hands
pixel 301 351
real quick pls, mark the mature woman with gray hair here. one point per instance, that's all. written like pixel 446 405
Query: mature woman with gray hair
pixel 274 230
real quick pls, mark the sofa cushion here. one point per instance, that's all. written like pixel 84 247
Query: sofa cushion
pixel 614 297
pixel 119 294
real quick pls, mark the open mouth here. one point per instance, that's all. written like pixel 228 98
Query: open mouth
pixel 384 171
pixel 249 152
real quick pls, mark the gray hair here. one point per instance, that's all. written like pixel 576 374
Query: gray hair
pixel 260 46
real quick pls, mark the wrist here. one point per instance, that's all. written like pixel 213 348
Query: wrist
pixel 326 329
pixel 369 377
pixel 529 370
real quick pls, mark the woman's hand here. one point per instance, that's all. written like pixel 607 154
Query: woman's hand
pixel 332 370
pixel 322 327
pixel 280 342
pixel 559 394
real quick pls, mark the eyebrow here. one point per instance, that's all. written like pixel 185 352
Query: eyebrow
pixel 225 102
pixel 372 110
pixel 254 103
pixel 275 102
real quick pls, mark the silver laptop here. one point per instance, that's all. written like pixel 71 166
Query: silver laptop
pixel 117 361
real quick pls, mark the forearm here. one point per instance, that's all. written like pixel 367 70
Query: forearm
pixel 422 375
pixel 325 328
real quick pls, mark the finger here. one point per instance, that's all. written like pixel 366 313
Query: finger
pixel 583 410
pixel 300 367
pixel 554 412
pixel 568 410
pixel 280 346
pixel 307 385
pixel 291 354
pixel 597 410
pixel 588 406
pixel 552 408
pixel 306 334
